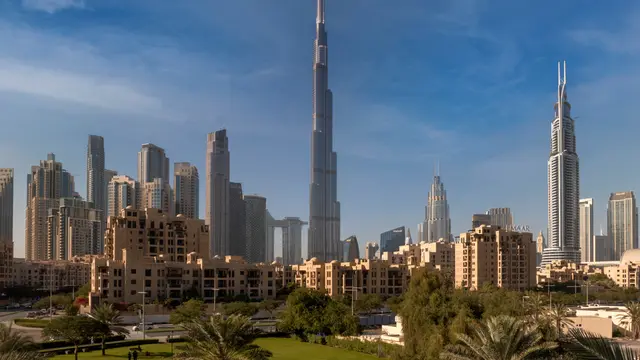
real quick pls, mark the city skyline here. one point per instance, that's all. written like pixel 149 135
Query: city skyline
pixel 501 91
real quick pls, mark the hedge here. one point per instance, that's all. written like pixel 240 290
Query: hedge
pixel 63 344
pixel 98 346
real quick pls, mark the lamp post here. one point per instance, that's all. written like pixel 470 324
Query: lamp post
pixel 144 328
pixel 171 337
pixel 51 292
pixel 549 285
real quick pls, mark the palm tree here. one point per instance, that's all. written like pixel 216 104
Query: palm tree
pixel 534 305
pixel 222 338
pixel 107 315
pixel 587 346
pixel 558 315
pixel 12 341
pixel 499 338
pixel 631 319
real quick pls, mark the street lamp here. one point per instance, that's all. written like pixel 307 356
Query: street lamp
pixel 144 328
pixel 51 292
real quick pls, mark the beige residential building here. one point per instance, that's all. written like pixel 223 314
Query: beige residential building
pixel 6 226
pixel 186 182
pixel 490 255
pixel 123 191
pixel 52 274
pixel 438 255
pixel 360 276
pixel 627 273
pixel 75 229
pixel 46 184
pixel 157 194
pixel 564 271
pixel 124 280
pixel 155 233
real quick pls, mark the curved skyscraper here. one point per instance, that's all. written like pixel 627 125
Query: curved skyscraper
pixel 564 183
pixel 437 223
pixel 324 208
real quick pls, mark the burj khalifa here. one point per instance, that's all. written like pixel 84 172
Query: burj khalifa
pixel 324 208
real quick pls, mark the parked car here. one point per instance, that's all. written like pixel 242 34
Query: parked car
pixel 139 327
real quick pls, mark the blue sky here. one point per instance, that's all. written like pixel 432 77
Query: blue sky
pixel 468 82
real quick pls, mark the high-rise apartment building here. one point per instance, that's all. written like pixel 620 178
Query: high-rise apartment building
pixel 157 194
pixel 622 222
pixel 6 227
pixel 437 220
pixel 153 233
pixel 350 249
pixel 292 240
pixel 46 184
pixel 95 171
pixel 256 228
pixel 217 191
pixel 603 248
pixel 75 228
pixel 123 191
pixel 237 221
pixel 391 240
pixel 324 208
pixel 586 230
pixel 186 183
pixel 370 250
pixel 487 254
pixel 153 163
pixel 480 219
pixel 108 175
pixel 563 241
pixel 500 217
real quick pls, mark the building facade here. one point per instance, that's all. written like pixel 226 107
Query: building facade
pixel 75 229
pixel 437 220
pixel 6 226
pixel 292 240
pixel 324 208
pixel 370 250
pixel 500 217
pixel 95 174
pixel 479 220
pixel 256 228
pixel 123 191
pixel 153 163
pixel 46 184
pixel 237 221
pixel 217 191
pixel 157 194
pixel 490 255
pixel 108 175
pixel 622 222
pixel 603 248
pixel 391 240
pixel 586 230
pixel 563 183
pixel 350 249
pixel 186 184
pixel 52 274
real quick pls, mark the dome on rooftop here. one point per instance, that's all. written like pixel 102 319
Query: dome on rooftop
pixel 632 255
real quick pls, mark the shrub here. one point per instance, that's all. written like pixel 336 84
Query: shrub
pixel 98 346
pixel 61 343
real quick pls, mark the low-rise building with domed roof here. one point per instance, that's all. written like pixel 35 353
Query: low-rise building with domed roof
pixel 627 273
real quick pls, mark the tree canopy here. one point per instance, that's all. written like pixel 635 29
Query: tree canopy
pixel 187 312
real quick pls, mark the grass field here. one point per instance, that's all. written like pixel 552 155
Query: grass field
pixel 282 349
pixel 32 323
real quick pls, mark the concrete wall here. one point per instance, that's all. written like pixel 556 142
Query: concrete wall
pixel 593 324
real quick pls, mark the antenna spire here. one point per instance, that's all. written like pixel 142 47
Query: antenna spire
pixel 320 18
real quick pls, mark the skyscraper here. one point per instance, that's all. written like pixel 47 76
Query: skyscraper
pixel 157 194
pixel 123 191
pixel 391 240
pixel 501 217
pixel 437 220
pixel 256 226
pixel 153 163
pixel 108 175
pixel 75 229
pixel 217 192
pixel 586 230
pixel 563 183
pixel 237 221
pixel 95 171
pixel 186 183
pixel 324 208
pixel 6 227
pixel 350 249
pixel 292 240
pixel 622 222
pixel 370 250
pixel 46 184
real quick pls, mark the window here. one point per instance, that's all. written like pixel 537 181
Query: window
pixel 133 271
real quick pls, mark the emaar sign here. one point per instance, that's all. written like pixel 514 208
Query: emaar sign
pixel 519 228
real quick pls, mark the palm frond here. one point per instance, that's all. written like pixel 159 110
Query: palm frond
pixel 588 346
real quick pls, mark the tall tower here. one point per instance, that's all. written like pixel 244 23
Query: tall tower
pixel 6 227
pixel 256 229
pixel 95 171
pixel 437 221
pixel 586 230
pixel 153 163
pixel 622 223
pixel 324 208
pixel 186 183
pixel 217 192
pixel 563 183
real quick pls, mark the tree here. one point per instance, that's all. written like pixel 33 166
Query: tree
pixel 587 346
pixel 110 321
pixel 534 305
pixel 55 300
pixel 368 302
pixel 13 341
pixel 631 319
pixel 558 315
pixel 239 308
pixel 84 290
pixel 74 329
pixel 499 338
pixel 304 313
pixel 187 312
pixel 222 339
pixel 71 310
pixel 269 306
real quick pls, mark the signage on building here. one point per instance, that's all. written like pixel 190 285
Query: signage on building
pixel 519 228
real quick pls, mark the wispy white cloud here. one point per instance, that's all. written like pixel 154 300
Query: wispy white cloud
pixel 621 40
pixel 52 6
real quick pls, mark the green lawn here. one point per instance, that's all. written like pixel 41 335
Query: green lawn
pixel 283 349
pixel 32 323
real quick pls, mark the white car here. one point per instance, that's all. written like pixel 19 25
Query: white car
pixel 139 327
